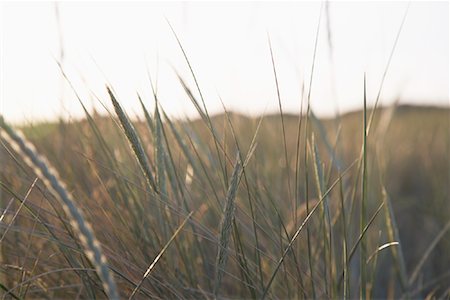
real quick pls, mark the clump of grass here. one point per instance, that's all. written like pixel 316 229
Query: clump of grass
pixel 53 182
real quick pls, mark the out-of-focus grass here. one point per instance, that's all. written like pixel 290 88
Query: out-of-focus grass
pixel 407 163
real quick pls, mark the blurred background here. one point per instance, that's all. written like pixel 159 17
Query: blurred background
pixel 227 44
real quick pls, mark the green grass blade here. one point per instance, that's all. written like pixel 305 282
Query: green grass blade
pixel 134 141
pixel 226 226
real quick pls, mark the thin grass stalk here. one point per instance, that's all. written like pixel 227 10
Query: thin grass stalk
pixel 325 213
pixel 299 230
pixel 297 153
pixel 250 202
pixel 68 256
pixel 242 259
pixel 181 144
pixel 160 167
pixel 344 245
pixel 158 257
pixel 177 186
pixel 387 67
pixel 374 268
pixel 363 212
pixel 22 204
pixel 308 234
pixel 297 164
pixel 282 121
pixel 372 115
pixel 52 181
pixel 104 146
pixel 252 213
pixel 360 238
pixel 206 114
pixel 345 291
pixel 308 112
pixel 288 238
pixel 226 226
pixel 183 193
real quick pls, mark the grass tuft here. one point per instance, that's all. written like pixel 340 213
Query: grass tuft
pixel 52 181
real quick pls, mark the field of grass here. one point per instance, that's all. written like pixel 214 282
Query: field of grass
pixel 228 206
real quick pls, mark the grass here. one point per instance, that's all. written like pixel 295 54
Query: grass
pixel 228 206
pixel 252 252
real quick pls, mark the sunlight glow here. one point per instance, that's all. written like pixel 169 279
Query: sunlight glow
pixel 227 44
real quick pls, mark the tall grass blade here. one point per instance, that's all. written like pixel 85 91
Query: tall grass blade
pixel 307 125
pixel 226 225
pixel 282 119
pixel 363 212
pixel 205 114
pixel 325 213
pixel 134 141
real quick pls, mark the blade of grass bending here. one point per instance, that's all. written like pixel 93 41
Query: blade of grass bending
pixel 135 142
pixel 299 230
pixel 158 257
pixel 65 249
pixel 226 225
pixel 51 179
pixel 380 248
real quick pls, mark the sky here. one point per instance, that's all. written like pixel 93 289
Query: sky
pixel 124 44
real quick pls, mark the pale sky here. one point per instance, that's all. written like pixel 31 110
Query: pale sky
pixel 227 45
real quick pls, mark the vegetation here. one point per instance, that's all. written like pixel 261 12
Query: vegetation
pixel 226 207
